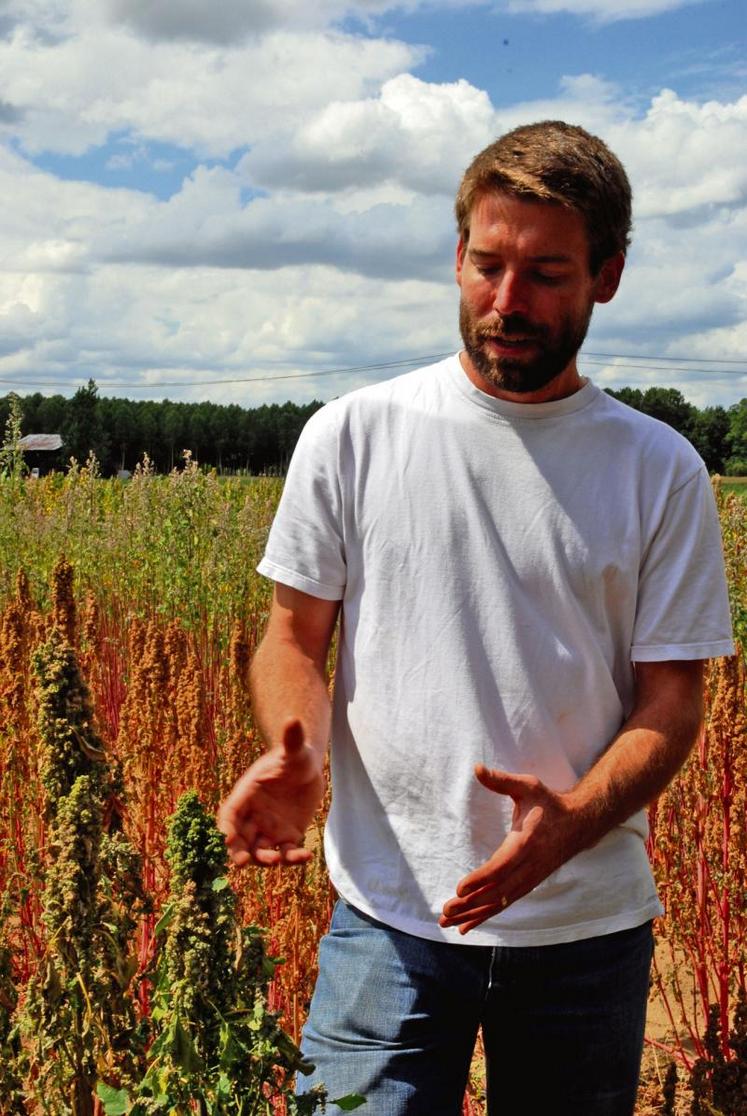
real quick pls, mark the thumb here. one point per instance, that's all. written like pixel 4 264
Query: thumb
pixel 293 737
pixel 502 782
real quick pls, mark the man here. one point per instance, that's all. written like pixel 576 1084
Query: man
pixel 530 577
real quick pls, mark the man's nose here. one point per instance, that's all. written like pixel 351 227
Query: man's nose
pixel 510 295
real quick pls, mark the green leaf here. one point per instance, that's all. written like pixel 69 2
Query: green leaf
pixel 349 1102
pixel 165 919
pixel 224 1086
pixel 220 884
pixel 115 1101
pixel 183 1050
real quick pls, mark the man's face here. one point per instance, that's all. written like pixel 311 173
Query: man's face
pixel 527 295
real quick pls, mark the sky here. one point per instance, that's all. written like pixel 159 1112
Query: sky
pixel 249 201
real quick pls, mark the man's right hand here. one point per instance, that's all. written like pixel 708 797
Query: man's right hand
pixel 271 806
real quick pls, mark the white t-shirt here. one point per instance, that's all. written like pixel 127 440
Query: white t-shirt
pixel 501 566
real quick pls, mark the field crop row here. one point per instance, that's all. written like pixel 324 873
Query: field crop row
pixel 151 587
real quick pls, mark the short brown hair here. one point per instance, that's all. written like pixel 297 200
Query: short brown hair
pixel 561 164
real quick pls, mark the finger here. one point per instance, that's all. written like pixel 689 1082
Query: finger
pixel 503 782
pixel 476 915
pixel 269 853
pixel 456 907
pixel 265 852
pixel 295 854
pixel 470 926
pixel 503 865
pixel 293 738
pixel 240 857
pixel 481 879
pixel 493 896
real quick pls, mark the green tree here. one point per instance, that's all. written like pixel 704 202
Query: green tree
pixel 708 433
pixel 120 424
pixel 83 430
pixel 173 426
pixel 737 438
pixel 633 397
pixel 669 406
pixel 51 414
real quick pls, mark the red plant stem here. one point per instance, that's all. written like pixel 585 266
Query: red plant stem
pixel 677 1050
pixel 724 967
pixel 677 1053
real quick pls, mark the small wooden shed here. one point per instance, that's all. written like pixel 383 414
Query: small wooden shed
pixel 42 452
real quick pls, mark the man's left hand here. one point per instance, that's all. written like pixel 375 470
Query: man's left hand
pixel 545 832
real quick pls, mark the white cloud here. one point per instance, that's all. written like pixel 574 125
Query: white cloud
pixel 685 157
pixel 47 225
pixel 346 258
pixel 72 94
pixel 212 325
pixel 416 133
pixel 205 225
pixel 43 19
pixel 602 11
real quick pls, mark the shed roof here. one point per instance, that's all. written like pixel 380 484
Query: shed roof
pixel 41 442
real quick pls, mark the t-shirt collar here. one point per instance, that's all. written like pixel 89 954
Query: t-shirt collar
pixel 529 411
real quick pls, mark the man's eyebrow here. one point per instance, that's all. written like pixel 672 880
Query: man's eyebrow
pixel 479 254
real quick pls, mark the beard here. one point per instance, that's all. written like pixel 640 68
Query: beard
pixel 554 349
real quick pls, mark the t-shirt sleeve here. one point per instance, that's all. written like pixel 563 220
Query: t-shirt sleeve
pixel 683 602
pixel 305 547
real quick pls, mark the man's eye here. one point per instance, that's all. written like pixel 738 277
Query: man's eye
pixel 548 280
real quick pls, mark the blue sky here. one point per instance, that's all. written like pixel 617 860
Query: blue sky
pixel 232 202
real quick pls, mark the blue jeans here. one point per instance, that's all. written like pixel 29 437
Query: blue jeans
pixel 395 1018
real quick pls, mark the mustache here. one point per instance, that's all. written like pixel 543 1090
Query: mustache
pixel 512 325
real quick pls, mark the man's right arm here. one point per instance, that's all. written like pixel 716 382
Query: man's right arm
pixel 268 811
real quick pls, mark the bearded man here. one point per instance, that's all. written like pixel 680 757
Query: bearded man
pixel 529 576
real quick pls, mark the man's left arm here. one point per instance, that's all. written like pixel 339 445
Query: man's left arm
pixel 550 827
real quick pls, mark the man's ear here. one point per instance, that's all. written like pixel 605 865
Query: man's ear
pixel 608 279
pixel 460 250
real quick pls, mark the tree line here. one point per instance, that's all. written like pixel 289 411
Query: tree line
pixel 719 434
pixel 256 440
pixel 119 432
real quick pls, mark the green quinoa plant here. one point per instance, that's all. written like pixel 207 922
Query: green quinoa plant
pixel 217 1050
pixel 70 744
pixel 719 1086
pixel 78 1017
pixel 12 463
pixel 11 1054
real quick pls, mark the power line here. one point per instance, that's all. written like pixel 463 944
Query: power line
pixel 680 360
pixel 244 379
pixel 646 363
pixel 648 367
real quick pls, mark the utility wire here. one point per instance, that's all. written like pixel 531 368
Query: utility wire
pixel 648 367
pixel 680 360
pixel 598 359
pixel 415 361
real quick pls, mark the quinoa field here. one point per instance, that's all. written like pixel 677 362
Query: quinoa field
pixel 133 975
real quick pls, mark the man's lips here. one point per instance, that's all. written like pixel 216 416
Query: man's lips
pixel 510 342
